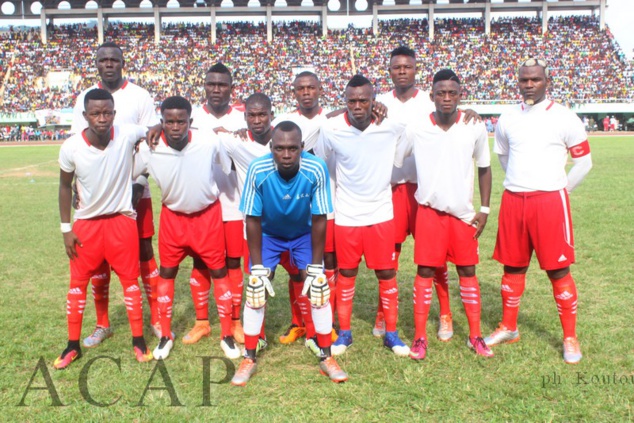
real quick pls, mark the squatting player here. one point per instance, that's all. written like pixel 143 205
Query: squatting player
pixel 286 199
pixel 191 219
pixel 532 142
pixel 100 157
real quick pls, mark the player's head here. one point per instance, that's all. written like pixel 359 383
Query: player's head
pixel 176 114
pixel 359 96
pixel 446 92
pixel 403 67
pixel 533 79
pixel 218 86
pixel 286 147
pixel 307 90
pixel 99 110
pixel 110 62
pixel 258 115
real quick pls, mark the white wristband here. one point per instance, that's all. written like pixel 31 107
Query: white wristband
pixel 66 227
pixel 485 210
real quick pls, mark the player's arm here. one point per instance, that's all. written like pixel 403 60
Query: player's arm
pixel 259 283
pixel 254 238
pixel 65 199
pixel 471 115
pixel 484 182
pixel 318 237
pixel 581 164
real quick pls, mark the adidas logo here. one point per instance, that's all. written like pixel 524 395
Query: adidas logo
pixel 193 282
pixel 564 296
pixel 132 288
pixel 154 274
pixel 391 291
pixel 562 258
pixel 164 299
pixel 75 291
pixel 226 296
pixel 287 197
pixel 100 276
pixel 506 288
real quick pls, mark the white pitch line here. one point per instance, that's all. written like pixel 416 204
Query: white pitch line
pixel 17 169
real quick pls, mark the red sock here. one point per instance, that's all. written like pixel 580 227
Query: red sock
pixel 332 274
pixel 345 295
pixel 422 303
pixel 388 290
pixel 565 292
pixel 304 305
pixel 200 285
pixel 441 283
pixel 149 277
pixel 512 290
pixel 133 304
pixel 251 341
pixel 470 295
pixel 75 305
pixel 100 289
pixel 222 294
pixel 237 284
pixel 165 299
pixel 296 312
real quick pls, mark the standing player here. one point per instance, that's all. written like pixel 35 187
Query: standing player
pixel 100 157
pixel 191 218
pixel 217 115
pixel 406 103
pixel 286 198
pixel 533 142
pixel 310 117
pixel 363 155
pixel 134 106
pixel 447 226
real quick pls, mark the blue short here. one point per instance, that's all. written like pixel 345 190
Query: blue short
pixel 300 250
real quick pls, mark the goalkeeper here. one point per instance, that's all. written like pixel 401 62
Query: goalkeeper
pixel 285 200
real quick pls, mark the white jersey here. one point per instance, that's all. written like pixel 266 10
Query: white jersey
pixel 185 177
pixel 104 177
pixel 233 120
pixel 241 153
pixel 536 140
pixel 310 127
pixel 444 160
pixel 133 104
pixel 407 112
pixel 363 165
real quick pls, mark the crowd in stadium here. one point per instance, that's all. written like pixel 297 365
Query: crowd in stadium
pixel 586 63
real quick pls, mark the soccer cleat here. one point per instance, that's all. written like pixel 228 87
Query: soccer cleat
pixel 229 347
pixel 237 332
pixel 63 361
pixel 333 335
pixel 330 368
pixel 343 342
pixel 200 329
pixel 445 328
pixel 311 344
pixel 480 347
pixel 98 336
pixel 293 333
pixel 502 335
pixel 156 330
pixel 247 368
pixel 419 349
pixel 379 325
pixel 393 342
pixel 143 357
pixel 162 350
pixel 572 351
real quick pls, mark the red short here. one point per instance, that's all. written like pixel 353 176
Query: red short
pixel 112 238
pixel 234 238
pixel 145 218
pixel 405 207
pixel 374 242
pixel 198 234
pixel 329 247
pixel 441 237
pixel 539 221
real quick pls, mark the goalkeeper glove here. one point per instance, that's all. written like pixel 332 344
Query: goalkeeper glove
pixel 258 285
pixel 317 282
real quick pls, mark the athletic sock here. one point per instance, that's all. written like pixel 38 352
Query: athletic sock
pixel 200 285
pixel 304 306
pixel 470 295
pixel 253 326
pixel 296 312
pixel 441 283
pixel 165 299
pixel 388 290
pixel 71 346
pixel 149 277
pixel 75 305
pixel 100 289
pixel 422 303
pixel 345 297
pixel 133 304
pixel 331 275
pixel 322 319
pixel 223 297
pixel 565 293
pixel 512 290
pixel 237 284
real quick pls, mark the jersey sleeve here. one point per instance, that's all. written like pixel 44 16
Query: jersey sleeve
pixel 323 148
pixel 501 144
pixel 133 133
pixel 78 123
pixel 225 152
pixel 321 202
pixel 251 201
pixel 141 159
pixel 404 146
pixel 481 152
pixel 147 113
pixel 575 132
pixel 66 161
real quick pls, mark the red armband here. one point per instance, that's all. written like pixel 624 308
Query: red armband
pixel 580 150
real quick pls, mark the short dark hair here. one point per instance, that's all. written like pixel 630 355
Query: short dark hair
pixel 97 94
pixel 221 68
pixel 110 44
pixel 258 98
pixel 307 74
pixel 403 51
pixel 446 75
pixel 358 81
pixel 176 102
pixel 288 126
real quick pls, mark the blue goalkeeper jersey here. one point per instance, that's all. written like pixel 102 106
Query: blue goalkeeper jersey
pixel 286 207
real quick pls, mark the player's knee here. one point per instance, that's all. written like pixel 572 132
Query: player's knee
pixel 385 274
pixel 168 272
pixel 558 273
pixel 218 273
pixel 426 271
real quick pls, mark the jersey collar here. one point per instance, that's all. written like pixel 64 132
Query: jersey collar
pixel 189 138
pixel 83 135
pixel 125 84
pixel 546 105
pixel 433 119
pixel 206 109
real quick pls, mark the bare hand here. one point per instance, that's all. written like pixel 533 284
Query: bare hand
pixel 221 129
pixel 154 135
pixel 242 133
pixel 470 115
pixel 379 112
pixel 479 221
pixel 70 240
